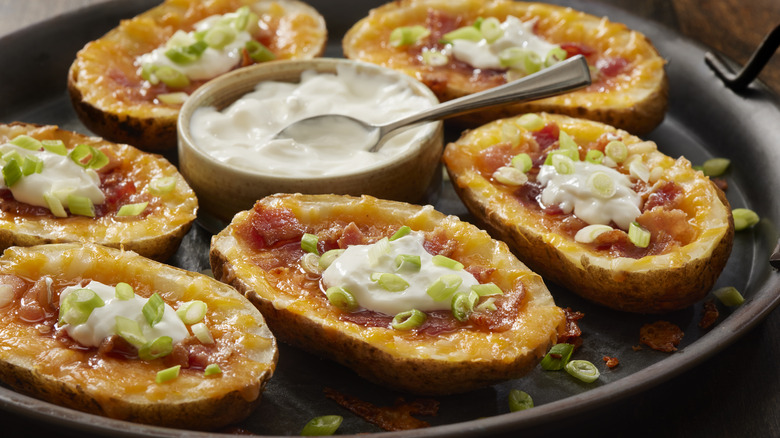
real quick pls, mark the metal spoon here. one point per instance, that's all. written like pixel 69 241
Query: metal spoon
pixel 565 76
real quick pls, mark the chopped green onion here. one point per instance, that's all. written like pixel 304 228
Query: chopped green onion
pixel 594 156
pixel 408 35
pixel 519 400
pixel 153 309
pixel 322 426
pixel 638 235
pixel 554 56
pixel 446 262
pixel 715 166
pixel 55 146
pixel 563 164
pixel 729 296
pixel 616 150
pixel 328 258
pixel 409 319
pixel 407 263
pixel 531 122
pixel 462 306
pixel 378 250
pixel 583 370
pixel 391 282
pixel 309 243
pixel 443 288
pixel 148 73
pixel 491 29
pixel 522 162
pixel 259 52
pixel 589 233
pixel 192 311
pixel 310 263
pixel 78 305
pixel 202 332
pixel 487 289
pixel 510 176
pixel 403 231
pixel 487 305
pixel 31 164
pixel 168 374
pixel 601 184
pixel 27 142
pixel 88 157
pixel 162 186
pixel 186 54
pixel 219 36
pixel 744 218
pixel 434 58
pixel 573 155
pixel 243 18
pixel 172 77
pixel 639 170
pixel 156 349
pixel 129 330
pixel 469 33
pixel 341 298
pixel 212 369
pixel 518 58
pixel 81 205
pixel 132 209
pixel 55 205
pixel 12 173
pixel 557 357
pixel 565 141
pixel 124 291
pixel 175 98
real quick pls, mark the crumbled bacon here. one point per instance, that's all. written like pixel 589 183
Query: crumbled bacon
pixel 437 242
pixel 710 314
pixel 481 273
pixel 397 417
pixel 573 49
pixel 507 308
pixel 611 66
pixel 667 228
pixel 720 183
pixel 546 136
pixel 667 196
pixel 661 335
pixel 571 334
pixel 267 227
pixel 352 235
pixel 117 346
pixel 490 159
pixel 35 304
pixel 611 362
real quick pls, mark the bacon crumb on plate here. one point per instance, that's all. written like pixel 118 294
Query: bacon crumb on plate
pixel 710 314
pixel 396 417
pixel 611 362
pixel 661 335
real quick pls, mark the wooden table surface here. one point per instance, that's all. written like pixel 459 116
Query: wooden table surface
pixel 736 393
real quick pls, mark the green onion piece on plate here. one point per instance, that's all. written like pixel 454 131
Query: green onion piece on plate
pixel 522 162
pixel 582 370
pixel 601 184
pixel 322 426
pixel 390 282
pixel 594 156
pixel 715 166
pixel 408 35
pixel 55 205
pixel 519 400
pixel 469 33
pixel 557 357
pixel 530 122
pixel 729 296
pixel 78 305
pixel 554 56
pixel 162 186
pixel 409 319
pixel 563 164
pixel 744 218
pixel 616 150
pixel 491 29
pixel 12 173
pixel 462 306
pixel 172 77
pixel 174 98
pixel 487 289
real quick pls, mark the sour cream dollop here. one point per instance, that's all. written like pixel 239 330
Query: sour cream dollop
pixel 102 321
pixel 241 134
pixel 352 270
pixel 571 193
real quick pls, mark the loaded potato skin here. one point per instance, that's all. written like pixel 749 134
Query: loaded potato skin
pixel 259 254
pixel 629 87
pixel 687 218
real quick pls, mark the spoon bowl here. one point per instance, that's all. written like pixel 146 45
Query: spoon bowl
pixel 568 75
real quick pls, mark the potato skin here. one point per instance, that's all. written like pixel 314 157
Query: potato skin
pixel 156 236
pixel 635 100
pixel 372 352
pixel 41 366
pixel 110 97
pixel 651 284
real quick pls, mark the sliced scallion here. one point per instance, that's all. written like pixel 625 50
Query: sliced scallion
pixel 132 209
pixel 744 218
pixel 409 319
pixel 715 166
pixel 55 205
pixel 601 184
pixel 124 291
pixel 55 146
pixel 434 58
pixel 519 400
pixel 390 282
pixel 162 186
pixel 328 258
pixel 175 98
pixel 443 288
pixel 88 157
pixel 202 332
pixel 488 305
pixel 554 56
pixel 156 349
pixel 446 262
pixel 639 236
pixel 259 52
pixel 168 374
pixel 129 330
pixel 341 298
pixel 639 170
pixel 219 36
pixel 81 205
pixel 557 357
pixel 408 35
pixel 12 173
pixel 582 370
pixel 192 311
pixel 403 231
pixel 588 234
pixel 487 289
pixel 78 305
pixel 563 164
pixel 31 164
pixel 616 150
pixel 469 33
pixel 531 122
pixel 27 142
pixel 212 369
pixel 378 250
pixel 491 29
pixel 565 141
pixel 153 309
pixel 171 77
pixel 522 59
pixel 594 156
pixel 187 54
pixel 309 243
pixel 729 296
pixel 510 176
pixel 407 263
pixel 461 307
pixel 310 263
pixel 522 162
pixel 322 426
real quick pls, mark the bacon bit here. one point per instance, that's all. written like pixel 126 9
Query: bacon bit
pixel 710 314
pixel 661 335
pixel 437 242
pixel 397 417
pixel 668 227
pixel 611 362
pixel 179 356
pixel 573 49
pixel 636 347
pixel 481 273
pixel 571 333
pixel 668 196
pixel 720 183
pixel 18 284
pixel 268 227
pixel 611 67
pixel 117 346
pixel 490 159
pixel 351 235
pixel 547 136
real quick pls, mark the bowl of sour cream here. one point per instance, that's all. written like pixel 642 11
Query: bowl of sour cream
pixel 228 153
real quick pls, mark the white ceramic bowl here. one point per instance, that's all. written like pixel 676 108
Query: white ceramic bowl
pixel 224 190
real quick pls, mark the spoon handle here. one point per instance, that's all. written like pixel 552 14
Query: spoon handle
pixel 564 76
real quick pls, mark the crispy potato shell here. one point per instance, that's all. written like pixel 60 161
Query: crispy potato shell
pixel 671 280
pixel 635 99
pixel 451 362
pixel 34 361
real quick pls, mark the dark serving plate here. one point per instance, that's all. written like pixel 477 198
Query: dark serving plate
pixel 705 120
